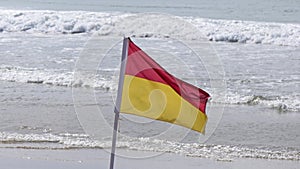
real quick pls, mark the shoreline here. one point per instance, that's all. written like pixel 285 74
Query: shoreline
pixel 99 158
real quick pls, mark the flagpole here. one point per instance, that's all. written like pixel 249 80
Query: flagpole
pixel 118 102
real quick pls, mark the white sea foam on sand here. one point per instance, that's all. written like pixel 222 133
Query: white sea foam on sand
pixel 217 152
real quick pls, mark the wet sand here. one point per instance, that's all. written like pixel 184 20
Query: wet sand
pixel 97 158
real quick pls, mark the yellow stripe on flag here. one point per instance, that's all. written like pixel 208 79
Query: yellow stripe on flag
pixel 159 101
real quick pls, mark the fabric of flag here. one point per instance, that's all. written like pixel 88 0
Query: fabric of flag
pixel 150 91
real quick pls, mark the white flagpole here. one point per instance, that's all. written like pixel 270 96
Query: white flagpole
pixel 118 101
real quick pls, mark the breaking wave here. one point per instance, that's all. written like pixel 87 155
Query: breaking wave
pixel 218 152
pixel 105 82
pixel 281 103
pixel 74 22
pixel 53 77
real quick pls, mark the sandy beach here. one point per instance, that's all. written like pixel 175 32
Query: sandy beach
pixel 99 159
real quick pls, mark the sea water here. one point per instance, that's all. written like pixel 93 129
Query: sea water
pixel 255 10
pixel 43 42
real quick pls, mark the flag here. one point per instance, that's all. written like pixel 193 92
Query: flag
pixel 148 90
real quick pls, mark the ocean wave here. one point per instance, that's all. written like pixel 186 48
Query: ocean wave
pixel 281 103
pixel 104 82
pixel 250 31
pixel 54 77
pixel 217 152
pixel 74 22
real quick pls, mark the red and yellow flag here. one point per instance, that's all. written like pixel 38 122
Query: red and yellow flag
pixel 150 91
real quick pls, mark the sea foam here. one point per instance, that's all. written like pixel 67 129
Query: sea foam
pixel 217 152
pixel 55 77
pixel 97 81
pixel 74 22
